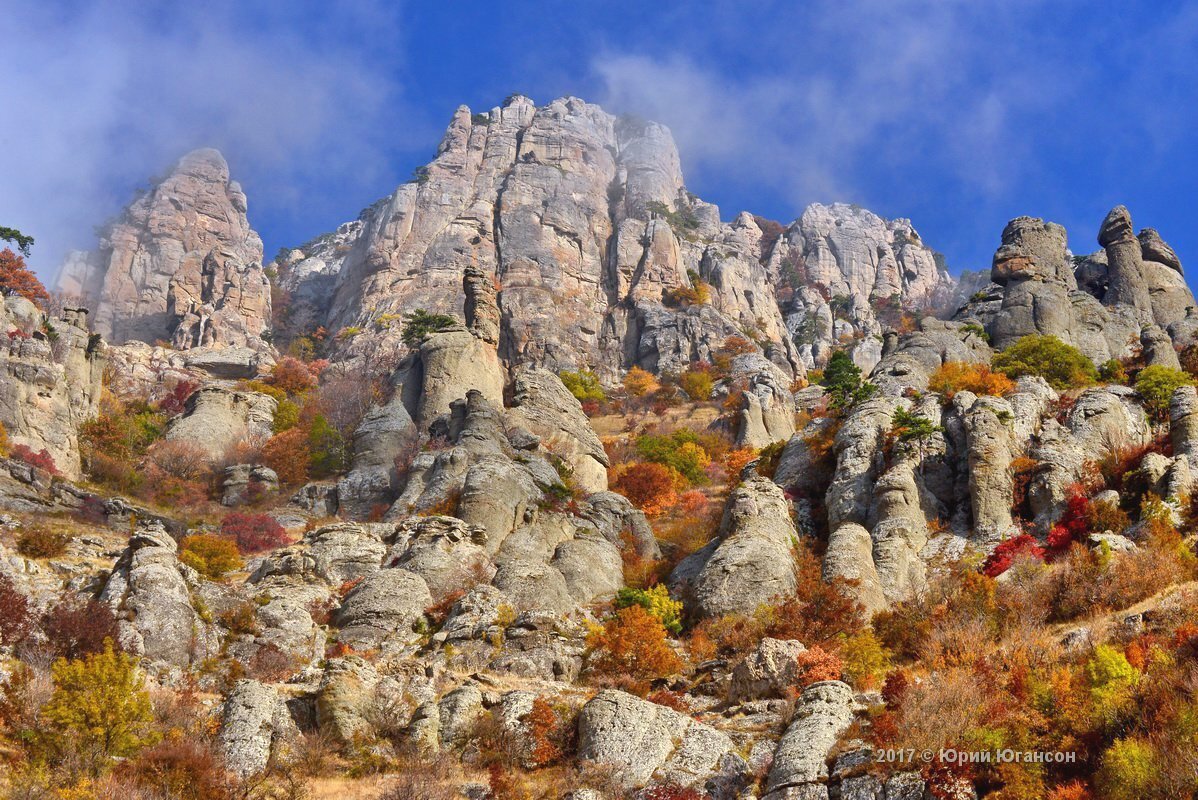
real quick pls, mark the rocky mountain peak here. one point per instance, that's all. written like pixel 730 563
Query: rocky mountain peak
pixel 181 264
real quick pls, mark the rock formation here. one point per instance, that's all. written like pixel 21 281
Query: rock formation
pixel 180 265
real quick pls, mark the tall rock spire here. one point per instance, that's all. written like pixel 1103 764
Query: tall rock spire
pixel 181 264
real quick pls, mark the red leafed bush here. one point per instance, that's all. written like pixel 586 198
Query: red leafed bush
pixel 1008 550
pixel 253 533
pixel 15 620
pixel 76 626
pixel 41 460
pixel 1073 525
pixel 172 405
pixel 672 791
pixel 650 486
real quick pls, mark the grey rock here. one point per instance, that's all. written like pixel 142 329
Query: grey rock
pixel 384 610
pixel 642 740
pixel 239 479
pixel 254 724
pixel 769 671
pixel 824 712
pixel 216 419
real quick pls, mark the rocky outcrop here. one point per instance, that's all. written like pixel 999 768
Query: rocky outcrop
pixel 384 610
pixel 542 404
pixel 1033 268
pixel 750 563
pixel 51 374
pixel 769 671
pixel 245 482
pixel 581 224
pixel 824 712
pixel 217 419
pixel 150 594
pixel 767 412
pixel 180 265
pixel 642 740
pixel 255 724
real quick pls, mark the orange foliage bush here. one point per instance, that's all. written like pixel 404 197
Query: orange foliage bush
pixel 292 376
pixel 817 665
pixel 651 487
pixel 958 376
pixel 16 278
pixel 287 453
pixel 632 644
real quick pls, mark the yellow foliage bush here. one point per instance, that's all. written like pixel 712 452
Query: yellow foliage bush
pixel 211 556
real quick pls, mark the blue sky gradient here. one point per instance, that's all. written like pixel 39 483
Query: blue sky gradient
pixel 958 114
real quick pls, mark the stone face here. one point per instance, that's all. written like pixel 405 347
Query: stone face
pixel 751 562
pixel 181 265
pixel 48 388
pixel 216 419
pixel 254 723
pixel 823 713
pixel 642 740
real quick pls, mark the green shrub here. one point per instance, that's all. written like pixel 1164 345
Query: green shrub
pixel 1156 385
pixel 656 600
pixel 1112 371
pixel 584 385
pixel 327 447
pixel 1128 770
pixel 287 416
pixel 1112 679
pixel 697 383
pixel 1062 365
pixel 680 450
pixel 420 323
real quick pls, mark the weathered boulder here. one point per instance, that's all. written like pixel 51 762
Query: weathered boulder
pixel 767 412
pixel 447 554
pixel 254 724
pixel 769 671
pixel 384 611
pixel 216 419
pixel 48 388
pixel 824 712
pixel 642 740
pixel 241 481
pixel 151 597
pixel 542 404
pixel 751 563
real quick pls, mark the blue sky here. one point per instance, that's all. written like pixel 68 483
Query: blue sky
pixel 958 114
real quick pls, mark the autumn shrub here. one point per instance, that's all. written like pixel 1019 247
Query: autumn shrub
pixel 821 612
pixel 958 376
pixel 211 556
pixel 4 444
pixel 1112 371
pixel 544 732
pixel 76 626
pixel 816 664
pixel 287 416
pixel 15 617
pixel 241 619
pixel 38 541
pixel 292 376
pixel 271 664
pixel 864 659
pixel 183 770
pixel 253 533
pixel 1073 524
pixel 1104 515
pixel 1128 770
pixel 680 451
pixel 697 382
pixel 651 487
pixel 1061 364
pixel 672 791
pixel 287 453
pixel 1156 384
pixel 638 382
pixel 733 346
pixel 632 644
pixel 1004 555
pixel 99 709
pixel 584 385
pixel 40 460
pixel 769 457
pixel 669 699
pixel 657 601
pixel 17 279
pixel 179 459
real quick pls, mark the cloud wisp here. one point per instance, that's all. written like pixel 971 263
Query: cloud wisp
pixel 103 96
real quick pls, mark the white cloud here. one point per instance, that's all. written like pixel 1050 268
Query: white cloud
pixel 852 87
pixel 100 97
